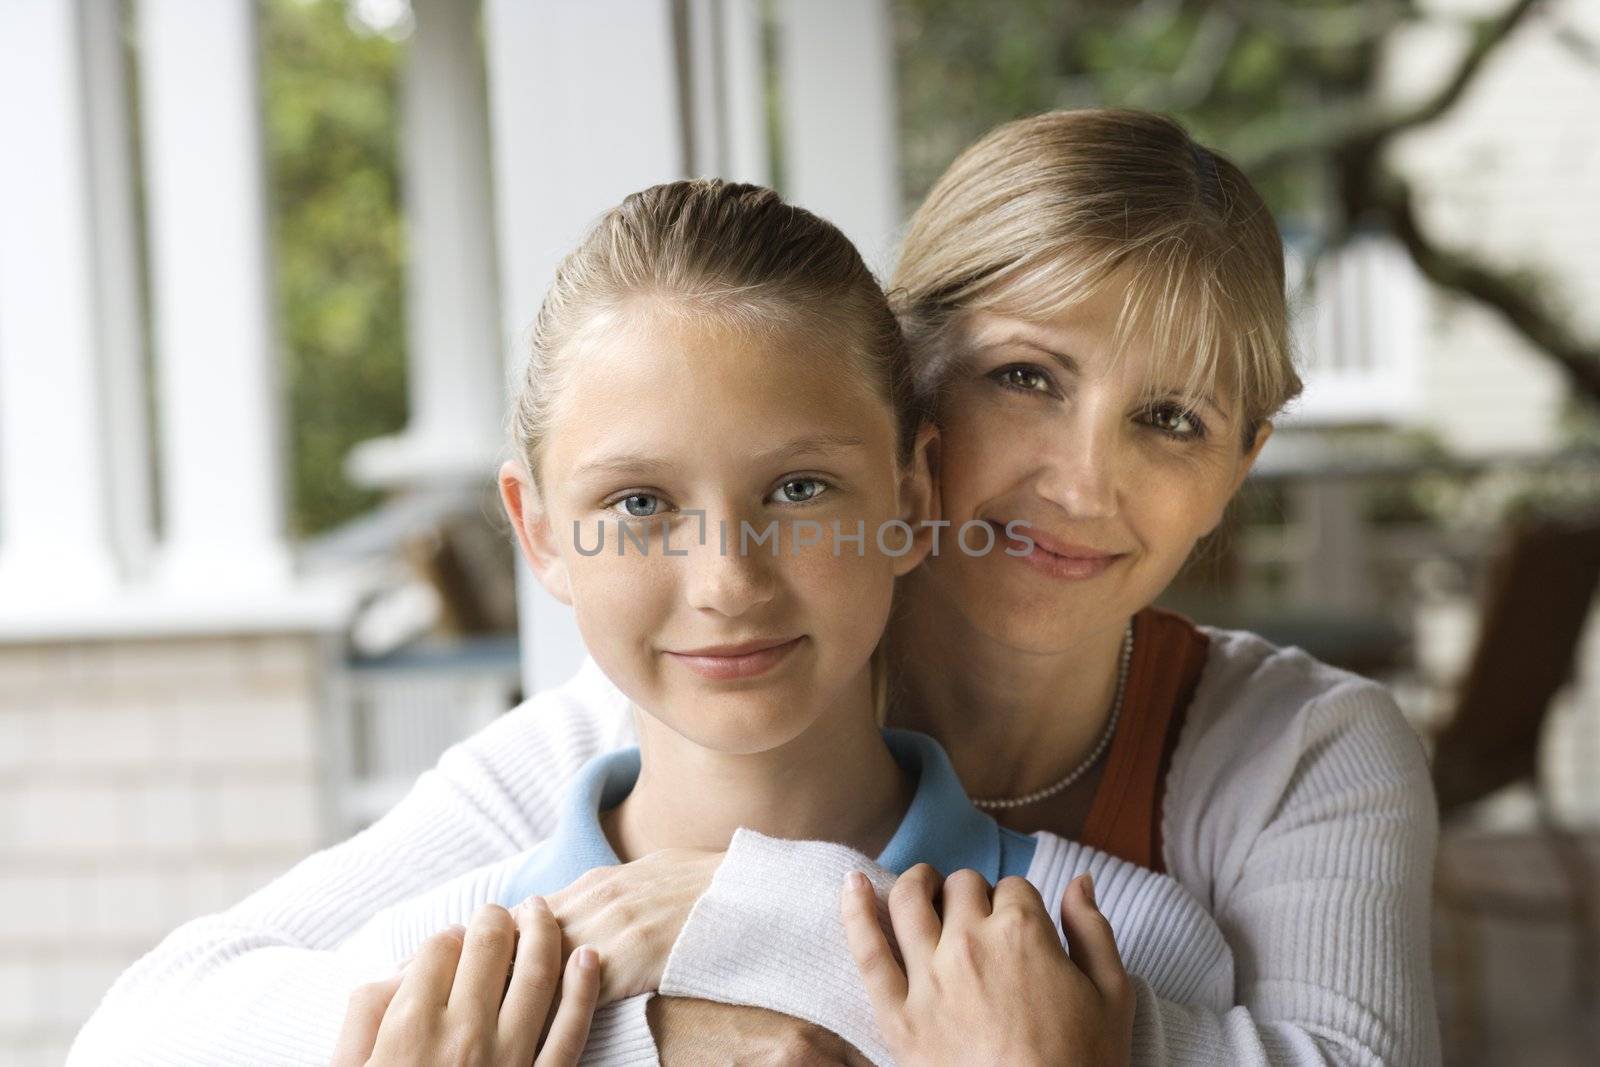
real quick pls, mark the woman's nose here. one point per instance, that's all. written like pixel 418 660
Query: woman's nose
pixel 1080 473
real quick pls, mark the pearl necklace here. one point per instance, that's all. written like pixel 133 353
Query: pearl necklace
pixel 995 803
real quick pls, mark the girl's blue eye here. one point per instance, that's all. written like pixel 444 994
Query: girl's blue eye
pixel 1027 379
pixel 639 505
pixel 799 491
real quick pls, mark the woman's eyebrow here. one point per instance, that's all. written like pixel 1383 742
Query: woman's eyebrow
pixel 1067 363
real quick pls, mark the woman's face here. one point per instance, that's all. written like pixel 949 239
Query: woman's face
pixel 666 419
pixel 1116 475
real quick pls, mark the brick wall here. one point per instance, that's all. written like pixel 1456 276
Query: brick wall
pixel 142 783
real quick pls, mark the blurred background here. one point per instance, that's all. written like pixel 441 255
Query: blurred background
pixel 264 270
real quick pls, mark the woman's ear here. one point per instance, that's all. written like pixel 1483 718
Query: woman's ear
pixel 1246 463
pixel 919 498
pixel 532 523
pixel 1263 432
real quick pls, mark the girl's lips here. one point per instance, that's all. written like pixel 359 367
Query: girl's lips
pixel 746 665
pixel 1059 561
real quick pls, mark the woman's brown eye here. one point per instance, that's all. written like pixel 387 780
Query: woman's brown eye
pixel 1175 421
pixel 1023 378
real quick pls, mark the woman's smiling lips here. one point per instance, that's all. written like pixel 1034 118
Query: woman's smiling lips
pixel 744 660
pixel 1057 559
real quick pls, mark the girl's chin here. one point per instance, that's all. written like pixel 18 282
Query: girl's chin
pixel 752 736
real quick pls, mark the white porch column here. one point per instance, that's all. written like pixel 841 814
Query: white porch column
pixel 456 386
pixel 69 331
pixel 216 357
pixel 583 104
pixel 841 152
pixel 727 87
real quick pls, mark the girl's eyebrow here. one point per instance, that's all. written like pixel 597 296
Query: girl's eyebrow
pixel 640 463
pixel 621 463
pixel 810 444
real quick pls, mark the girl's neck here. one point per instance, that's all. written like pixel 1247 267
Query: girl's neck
pixel 837 781
pixel 1012 720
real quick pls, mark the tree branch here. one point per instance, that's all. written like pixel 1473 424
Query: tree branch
pixel 1196 77
pixel 1362 125
pixel 1526 314
pixel 1342 26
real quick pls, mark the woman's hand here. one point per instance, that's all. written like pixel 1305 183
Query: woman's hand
pixel 482 994
pixel 989 982
pixel 632 914
pixel 689 1031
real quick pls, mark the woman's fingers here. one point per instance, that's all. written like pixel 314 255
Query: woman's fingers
pixel 361 1022
pixel 569 1030
pixel 965 900
pixel 916 924
pixel 535 979
pixel 880 971
pixel 1089 938
pixel 485 959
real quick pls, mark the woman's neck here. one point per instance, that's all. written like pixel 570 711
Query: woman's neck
pixel 837 781
pixel 1012 720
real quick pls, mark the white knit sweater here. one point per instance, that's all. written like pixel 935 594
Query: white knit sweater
pixel 1298 814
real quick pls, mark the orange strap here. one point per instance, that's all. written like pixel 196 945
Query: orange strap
pixel 1169 654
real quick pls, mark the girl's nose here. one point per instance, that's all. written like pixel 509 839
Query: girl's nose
pixel 722 578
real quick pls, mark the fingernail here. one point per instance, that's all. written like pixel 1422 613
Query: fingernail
pixel 856 881
pixel 587 960
pixel 457 928
pixel 1088 890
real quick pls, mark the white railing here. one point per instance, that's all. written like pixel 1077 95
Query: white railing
pixel 1358 333
pixel 392 718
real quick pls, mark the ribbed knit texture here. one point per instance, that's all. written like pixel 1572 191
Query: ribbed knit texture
pixel 785 894
pixel 261 983
pixel 1299 815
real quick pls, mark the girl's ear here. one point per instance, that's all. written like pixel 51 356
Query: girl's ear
pixel 532 523
pixel 919 497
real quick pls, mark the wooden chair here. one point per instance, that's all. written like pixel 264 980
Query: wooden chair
pixel 1538 601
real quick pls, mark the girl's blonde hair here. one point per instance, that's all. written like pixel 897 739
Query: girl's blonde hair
pixel 724 252
pixel 1044 211
pixel 731 254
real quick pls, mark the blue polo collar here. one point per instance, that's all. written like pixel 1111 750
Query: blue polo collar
pixel 940 828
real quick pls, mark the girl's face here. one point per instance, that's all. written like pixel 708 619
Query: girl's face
pixel 1117 475
pixel 686 438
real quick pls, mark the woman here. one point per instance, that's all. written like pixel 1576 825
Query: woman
pixel 1097 308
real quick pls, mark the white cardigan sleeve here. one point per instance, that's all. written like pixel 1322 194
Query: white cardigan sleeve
pixel 1309 837
pixel 768 932
pixel 1318 865
pixel 260 982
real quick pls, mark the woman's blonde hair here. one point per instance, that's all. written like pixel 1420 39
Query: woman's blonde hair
pixel 1044 211
pixel 725 253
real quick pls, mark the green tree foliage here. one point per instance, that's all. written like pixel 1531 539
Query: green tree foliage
pixel 331 117
pixel 967 65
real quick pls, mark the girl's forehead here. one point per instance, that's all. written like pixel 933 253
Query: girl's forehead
pixel 641 388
